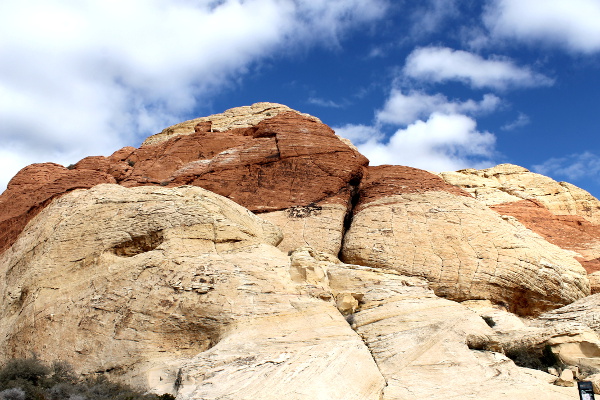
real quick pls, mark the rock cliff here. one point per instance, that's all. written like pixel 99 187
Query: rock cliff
pixel 255 254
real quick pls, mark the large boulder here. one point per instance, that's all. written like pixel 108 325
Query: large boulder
pixel 414 222
pixel 176 290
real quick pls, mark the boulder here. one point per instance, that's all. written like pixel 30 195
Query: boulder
pixel 414 222
pixel 176 290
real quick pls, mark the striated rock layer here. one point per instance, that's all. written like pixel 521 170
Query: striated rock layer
pixel 289 163
pixel 180 290
pixel 562 213
pixel 412 221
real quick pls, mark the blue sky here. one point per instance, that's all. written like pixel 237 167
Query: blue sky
pixel 434 84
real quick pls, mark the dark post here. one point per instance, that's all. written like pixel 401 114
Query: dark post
pixel 586 390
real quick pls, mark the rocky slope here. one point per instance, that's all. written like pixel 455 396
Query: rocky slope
pixel 205 264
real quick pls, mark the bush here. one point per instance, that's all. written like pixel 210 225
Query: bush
pixel 30 379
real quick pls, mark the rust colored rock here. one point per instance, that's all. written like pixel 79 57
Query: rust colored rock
pixel 570 232
pixel 33 188
pixel 286 161
pixel 388 180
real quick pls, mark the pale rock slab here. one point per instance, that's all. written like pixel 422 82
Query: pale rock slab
pixel 237 117
pixel 176 290
pixel 506 183
pixel 320 227
pixel 465 250
pixel 424 346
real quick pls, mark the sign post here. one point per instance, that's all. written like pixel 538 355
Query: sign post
pixel 586 390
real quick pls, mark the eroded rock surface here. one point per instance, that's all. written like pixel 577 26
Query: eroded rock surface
pixel 238 117
pixel 465 250
pixel 179 290
pixel 275 163
pixel 562 213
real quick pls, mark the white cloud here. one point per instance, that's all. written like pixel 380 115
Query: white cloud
pixel 444 142
pixel 572 24
pixel 522 120
pixel 403 109
pixel 442 64
pixel 317 101
pixel 430 15
pixel 572 167
pixel 86 77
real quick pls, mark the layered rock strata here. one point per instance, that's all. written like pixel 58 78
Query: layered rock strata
pixel 562 213
pixel 180 290
pixel 412 221
pixel 289 163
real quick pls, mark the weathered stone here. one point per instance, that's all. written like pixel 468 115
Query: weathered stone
pixel 238 117
pixel 33 188
pixel 176 290
pixel 562 213
pixel 465 250
pixel 285 162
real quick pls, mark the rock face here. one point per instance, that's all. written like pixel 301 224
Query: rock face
pixel 413 222
pixel 562 213
pixel 183 282
pixel 205 264
pixel 238 117
pixel 290 163
pixel 180 290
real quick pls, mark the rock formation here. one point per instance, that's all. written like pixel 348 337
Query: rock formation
pixel 414 222
pixel 562 213
pixel 289 164
pixel 205 264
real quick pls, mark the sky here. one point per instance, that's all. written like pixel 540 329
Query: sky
pixel 435 84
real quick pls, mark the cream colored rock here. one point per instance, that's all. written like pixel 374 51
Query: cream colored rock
pixel 566 378
pixel 176 290
pixel 238 117
pixel 595 379
pixel 506 183
pixel 465 250
pixel 594 279
pixel 319 227
pixel 585 312
pixel 422 343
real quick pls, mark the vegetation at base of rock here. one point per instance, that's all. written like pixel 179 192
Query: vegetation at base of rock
pixel 31 379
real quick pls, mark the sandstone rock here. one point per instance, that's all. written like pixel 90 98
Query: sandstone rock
pixel 565 379
pixel 177 290
pixel 585 311
pixel 505 183
pixel 32 189
pixel 284 163
pixel 424 227
pixel 421 343
pixel 595 379
pixel 317 226
pixel 594 279
pixel 562 213
pixel 238 117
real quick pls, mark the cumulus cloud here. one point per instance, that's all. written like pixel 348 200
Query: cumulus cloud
pixel 403 109
pixel 87 77
pixel 572 24
pixel 442 64
pixel 443 142
pixel 571 167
